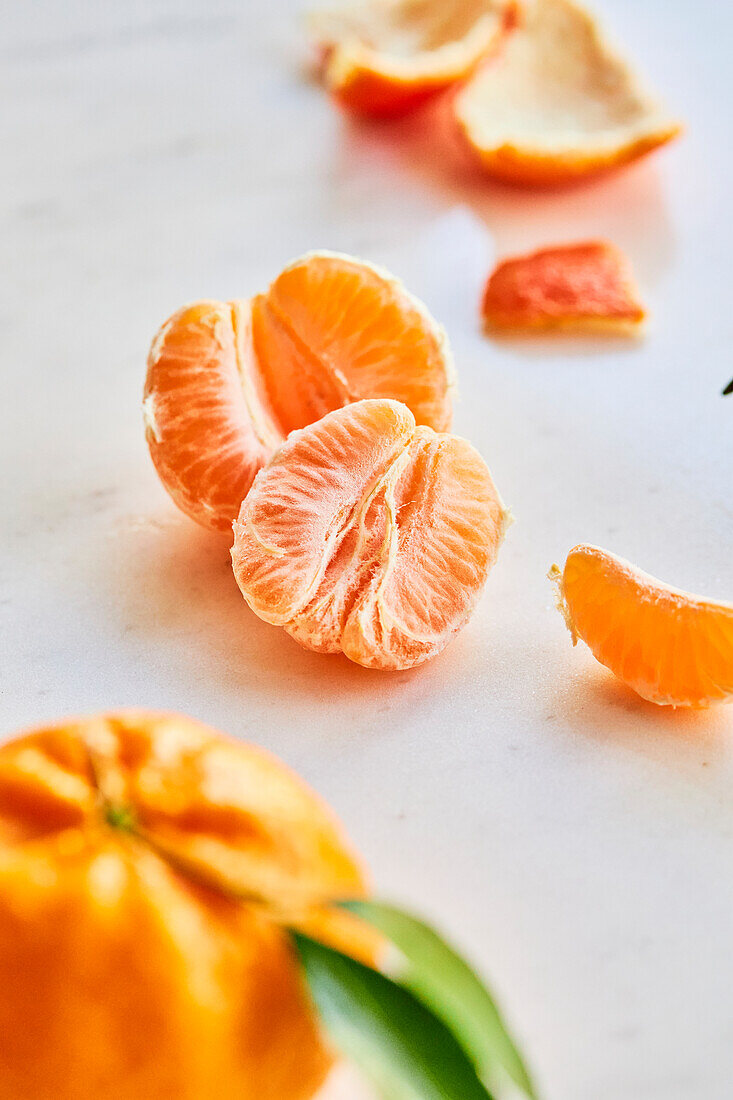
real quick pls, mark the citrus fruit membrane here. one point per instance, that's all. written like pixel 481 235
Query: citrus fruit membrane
pixel 385 57
pixel 146 864
pixel 227 381
pixel 582 287
pixel 669 646
pixel 368 535
pixel 558 104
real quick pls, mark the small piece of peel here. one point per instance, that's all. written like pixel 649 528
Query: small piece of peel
pixel 577 287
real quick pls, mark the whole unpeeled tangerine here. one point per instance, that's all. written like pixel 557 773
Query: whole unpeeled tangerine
pixel 369 535
pixel 146 866
pixel 586 286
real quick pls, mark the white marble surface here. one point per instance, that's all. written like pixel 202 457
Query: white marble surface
pixel 576 842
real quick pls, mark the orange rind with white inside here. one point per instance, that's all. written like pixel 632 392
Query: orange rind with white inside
pixel 582 287
pixel 671 647
pixel 558 104
pixel 385 57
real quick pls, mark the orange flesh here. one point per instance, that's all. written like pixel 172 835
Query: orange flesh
pixel 577 286
pixel 128 966
pixel 669 646
pixel 368 535
pixel 227 382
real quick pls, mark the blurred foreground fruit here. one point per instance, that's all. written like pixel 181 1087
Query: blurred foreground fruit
pixel 384 57
pixel 227 381
pixel 140 855
pixel 669 646
pixel 368 535
pixel 558 104
pixel 575 287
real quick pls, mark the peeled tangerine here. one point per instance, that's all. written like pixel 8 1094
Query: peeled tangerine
pixel 578 287
pixel 383 57
pixel 669 646
pixel 227 381
pixel 369 535
pixel 147 865
pixel 558 104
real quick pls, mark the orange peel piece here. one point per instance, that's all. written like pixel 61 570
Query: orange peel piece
pixel 586 286
pixel 671 647
pixel 385 57
pixel 558 104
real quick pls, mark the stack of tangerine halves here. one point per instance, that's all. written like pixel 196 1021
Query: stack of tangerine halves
pixel 313 419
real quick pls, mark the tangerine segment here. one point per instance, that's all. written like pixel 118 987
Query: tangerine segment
pixel 668 645
pixel 578 286
pixel 208 428
pixel 558 104
pixel 385 57
pixel 227 382
pixel 145 866
pixel 332 329
pixel 370 535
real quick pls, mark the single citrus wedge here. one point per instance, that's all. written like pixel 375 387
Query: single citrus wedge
pixel 558 104
pixel 669 646
pixel 147 866
pixel 227 381
pixel 575 287
pixel 384 57
pixel 369 535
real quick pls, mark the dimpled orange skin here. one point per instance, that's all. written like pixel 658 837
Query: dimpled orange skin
pixel 128 968
pixel 583 286
pixel 371 94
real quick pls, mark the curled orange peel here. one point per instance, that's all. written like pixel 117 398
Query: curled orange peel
pixel 385 57
pixel 558 104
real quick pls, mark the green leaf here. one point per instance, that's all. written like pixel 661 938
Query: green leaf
pixel 406 1051
pixel 444 982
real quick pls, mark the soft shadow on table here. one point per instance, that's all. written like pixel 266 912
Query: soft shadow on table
pixel 597 705
pixel 176 588
pixel 565 347
pixel 627 206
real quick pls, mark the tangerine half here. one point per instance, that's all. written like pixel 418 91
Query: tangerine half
pixel 227 381
pixel 369 535
pixel 146 866
pixel 558 104
pixel 385 57
pixel 580 287
pixel 669 646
